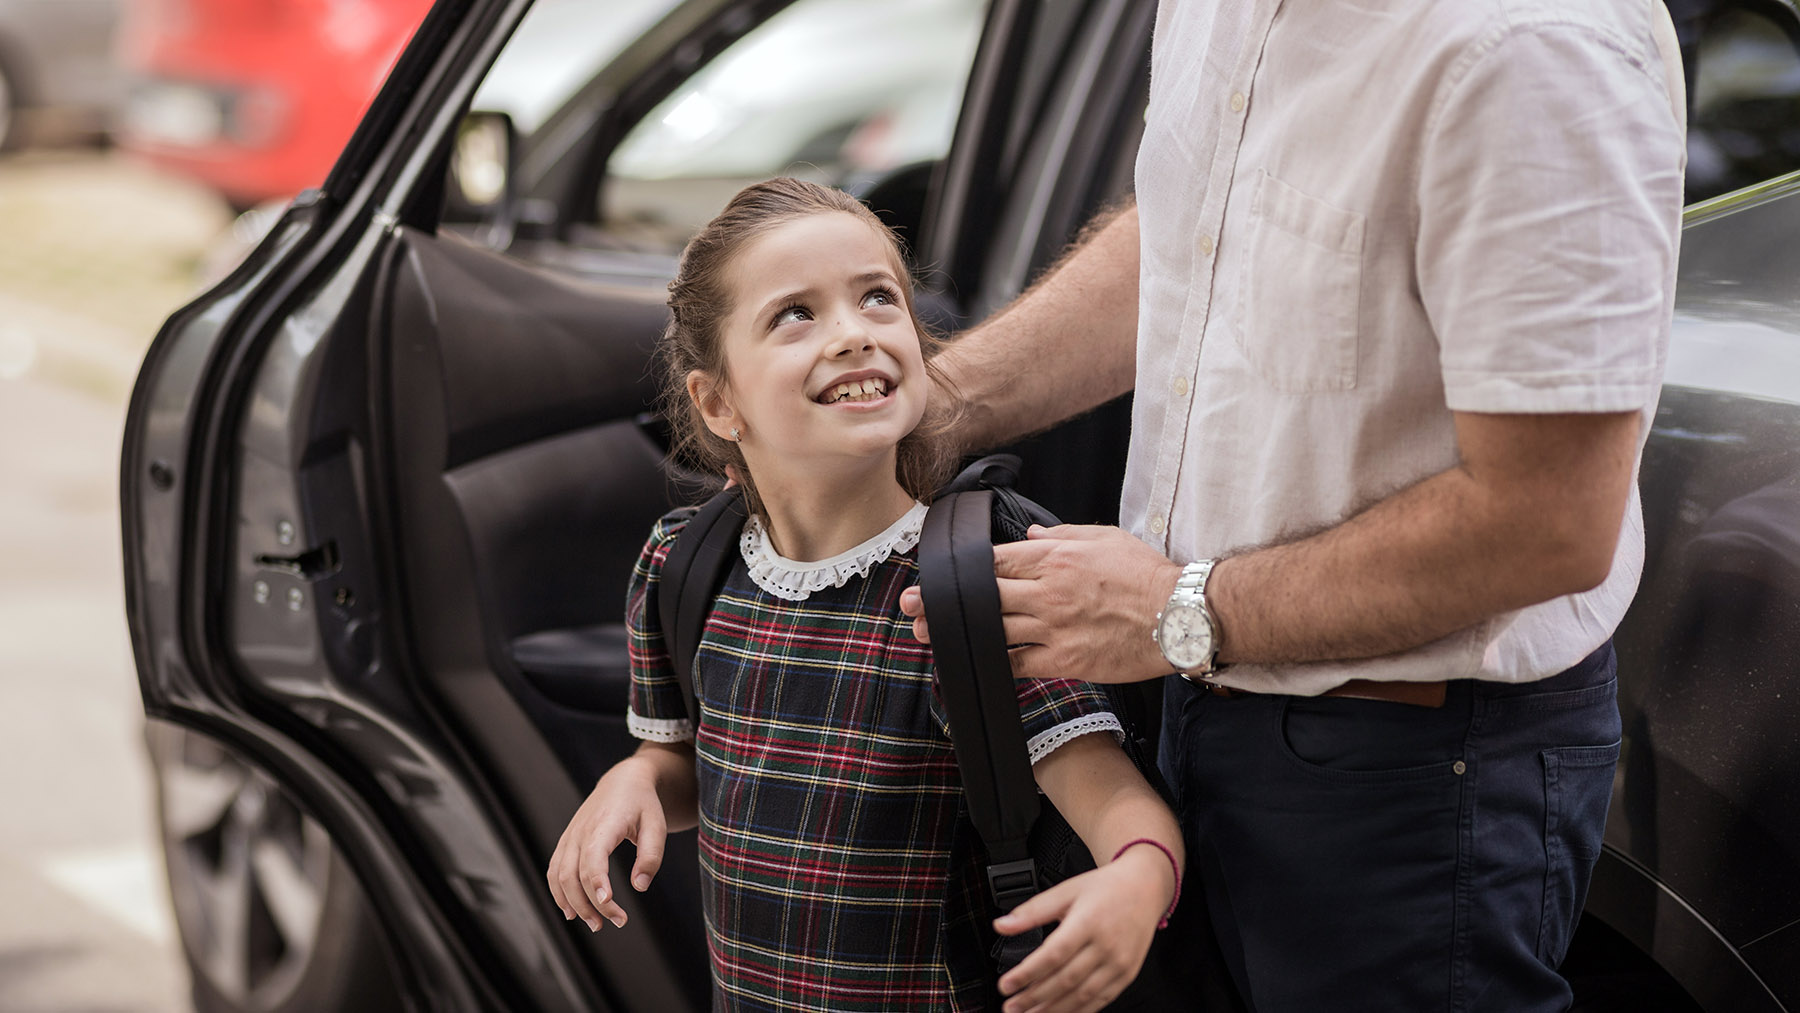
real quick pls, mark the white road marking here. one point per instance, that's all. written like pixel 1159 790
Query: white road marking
pixel 126 884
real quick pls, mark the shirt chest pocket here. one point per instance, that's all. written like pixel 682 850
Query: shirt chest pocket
pixel 1301 290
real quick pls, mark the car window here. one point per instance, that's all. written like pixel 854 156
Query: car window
pixel 838 91
pixel 1744 101
pixel 558 46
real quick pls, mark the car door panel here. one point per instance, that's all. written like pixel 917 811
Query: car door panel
pixel 524 480
pixel 299 666
pixel 1704 806
pixel 1706 801
pixel 524 485
pixel 1776 957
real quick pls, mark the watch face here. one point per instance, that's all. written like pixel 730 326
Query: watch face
pixel 1185 637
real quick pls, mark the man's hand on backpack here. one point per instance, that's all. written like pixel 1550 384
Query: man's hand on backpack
pixel 1077 602
pixel 1107 916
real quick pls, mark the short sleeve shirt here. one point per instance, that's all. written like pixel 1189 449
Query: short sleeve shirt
pixel 837 867
pixel 1358 216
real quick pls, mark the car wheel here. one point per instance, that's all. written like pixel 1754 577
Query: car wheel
pixel 270 915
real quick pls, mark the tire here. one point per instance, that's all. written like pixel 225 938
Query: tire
pixel 270 915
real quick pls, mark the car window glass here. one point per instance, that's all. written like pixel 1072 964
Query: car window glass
pixel 1744 119
pixel 838 91
pixel 558 46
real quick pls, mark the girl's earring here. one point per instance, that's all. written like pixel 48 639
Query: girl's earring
pixel 736 437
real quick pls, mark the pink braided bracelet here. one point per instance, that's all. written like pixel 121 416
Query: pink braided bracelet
pixel 1173 864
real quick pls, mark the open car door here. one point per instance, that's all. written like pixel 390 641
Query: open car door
pixel 383 486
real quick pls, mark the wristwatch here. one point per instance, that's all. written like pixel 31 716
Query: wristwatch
pixel 1186 629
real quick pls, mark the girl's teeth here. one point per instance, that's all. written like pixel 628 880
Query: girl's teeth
pixel 860 390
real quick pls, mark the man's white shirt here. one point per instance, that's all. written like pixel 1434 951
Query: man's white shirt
pixel 1359 217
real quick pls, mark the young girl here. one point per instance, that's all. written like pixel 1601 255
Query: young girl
pixel 837 870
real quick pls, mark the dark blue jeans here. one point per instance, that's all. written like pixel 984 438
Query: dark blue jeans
pixel 1364 855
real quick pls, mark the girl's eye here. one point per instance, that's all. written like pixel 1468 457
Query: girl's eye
pixel 881 297
pixel 790 315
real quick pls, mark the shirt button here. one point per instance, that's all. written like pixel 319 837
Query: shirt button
pixel 1206 246
pixel 1181 386
pixel 1156 525
pixel 1237 101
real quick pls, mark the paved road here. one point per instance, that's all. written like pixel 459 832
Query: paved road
pixel 93 253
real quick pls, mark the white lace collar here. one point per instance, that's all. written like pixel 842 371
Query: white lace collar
pixel 795 580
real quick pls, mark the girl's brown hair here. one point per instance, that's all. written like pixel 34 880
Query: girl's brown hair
pixel 700 299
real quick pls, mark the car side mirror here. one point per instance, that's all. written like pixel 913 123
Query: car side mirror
pixel 479 190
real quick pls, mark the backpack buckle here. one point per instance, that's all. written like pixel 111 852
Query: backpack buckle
pixel 1012 883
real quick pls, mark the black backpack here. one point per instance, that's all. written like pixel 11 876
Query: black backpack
pixel 1030 846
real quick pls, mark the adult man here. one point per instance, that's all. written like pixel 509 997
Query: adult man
pixel 1399 283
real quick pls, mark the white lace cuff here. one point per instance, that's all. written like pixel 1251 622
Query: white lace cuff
pixel 796 580
pixel 658 729
pixel 1044 743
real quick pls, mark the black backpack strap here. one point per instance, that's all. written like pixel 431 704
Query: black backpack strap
pixel 1013 513
pixel 692 573
pixel 995 471
pixel 962 606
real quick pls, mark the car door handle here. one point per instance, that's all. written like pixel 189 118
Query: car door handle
pixel 309 565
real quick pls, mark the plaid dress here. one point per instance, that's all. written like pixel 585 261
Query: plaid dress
pixel 838 869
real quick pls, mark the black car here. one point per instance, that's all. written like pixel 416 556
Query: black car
pixel 383 484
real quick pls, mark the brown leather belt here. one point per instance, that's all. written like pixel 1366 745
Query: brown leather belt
pixel 1418 694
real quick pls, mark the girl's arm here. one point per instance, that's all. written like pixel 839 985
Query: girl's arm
pixel 1109 915
pixel 641 799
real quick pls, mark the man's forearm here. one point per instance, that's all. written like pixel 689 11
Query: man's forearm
pixel 1407 571
pixel 1532 512
pixel 1535 522
pixel 1068 344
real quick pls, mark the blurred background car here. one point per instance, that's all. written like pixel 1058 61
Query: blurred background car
pixel 255 98
pixel 56 70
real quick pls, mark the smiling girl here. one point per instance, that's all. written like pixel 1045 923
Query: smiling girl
pixel 837 867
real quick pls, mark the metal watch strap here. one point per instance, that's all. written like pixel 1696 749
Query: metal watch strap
pixel 1190 590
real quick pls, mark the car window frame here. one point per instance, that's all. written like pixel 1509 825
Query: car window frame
pixel 992 184
pixel 564 160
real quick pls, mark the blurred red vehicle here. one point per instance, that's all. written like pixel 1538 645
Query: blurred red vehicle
pixel 255 97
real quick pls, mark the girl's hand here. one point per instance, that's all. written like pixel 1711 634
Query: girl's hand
pixel 624 806
pixel 1108 917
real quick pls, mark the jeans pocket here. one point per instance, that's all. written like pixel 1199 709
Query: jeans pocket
pixel 1578 782
pixel 1350 742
